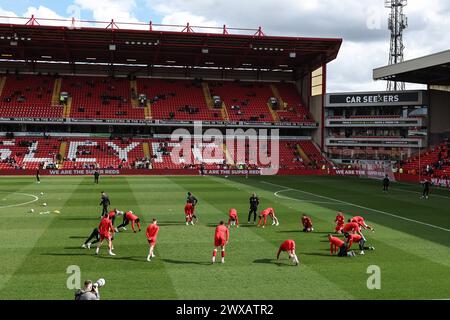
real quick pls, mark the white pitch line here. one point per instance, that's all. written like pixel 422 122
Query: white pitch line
pixel 417 192
pixel 21 204
pixel 362 207
pixel 276 194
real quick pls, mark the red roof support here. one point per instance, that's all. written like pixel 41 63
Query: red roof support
pixel 187 28
pixel 32 21
pixel 259 33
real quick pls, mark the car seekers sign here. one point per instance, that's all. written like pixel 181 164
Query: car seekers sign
pixel 375 99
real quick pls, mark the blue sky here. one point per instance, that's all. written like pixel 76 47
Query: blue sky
pixel 143 11
pixel 362 24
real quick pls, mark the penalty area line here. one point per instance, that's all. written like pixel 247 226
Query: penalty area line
pixel 359 206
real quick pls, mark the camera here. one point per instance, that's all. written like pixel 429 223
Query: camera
pixel 99 283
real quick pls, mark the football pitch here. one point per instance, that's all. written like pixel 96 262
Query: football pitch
pixel 411 239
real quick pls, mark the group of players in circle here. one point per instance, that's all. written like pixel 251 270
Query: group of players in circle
pixel 106 230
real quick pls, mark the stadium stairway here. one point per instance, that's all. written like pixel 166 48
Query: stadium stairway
pixel 207 94
pixel 146 149
pixel 56 92
pixel 303 154
pixel 67 108
pixel 227 154
pixel 62 152
pixel 277 95
pixel 2 84
pixel 274 114
pixel 133 86
pixel 148 111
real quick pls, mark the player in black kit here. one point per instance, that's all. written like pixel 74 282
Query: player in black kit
pixel 104 202
pixel 386 182
pixel 254 203
pixel 426 189
pixel 192 200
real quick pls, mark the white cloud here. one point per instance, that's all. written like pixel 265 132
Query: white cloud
pixel 362 25
pixel 105 10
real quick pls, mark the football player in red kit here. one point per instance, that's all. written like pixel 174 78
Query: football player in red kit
pixel 106 230
pixel 189 212
pixel 289 247
pixel 307 223
pixel 352 227
pixel 263 217
pixel 221 237
pixel 335 244
pixel 362 223
pixel 152 233
pixel 127 217
pixel 113 214
pixel 233 220
pixel 352 238
pixel 340 222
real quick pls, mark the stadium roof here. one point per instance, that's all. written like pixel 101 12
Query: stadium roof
pixel 148 44
pixel 432 70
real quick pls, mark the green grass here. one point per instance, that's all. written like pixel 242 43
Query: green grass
pixel 36 249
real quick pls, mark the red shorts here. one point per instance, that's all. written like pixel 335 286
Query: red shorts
pixel 151 242
pixel 104 236
pixel 219 242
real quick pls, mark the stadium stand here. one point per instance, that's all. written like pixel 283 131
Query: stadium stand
pixel 100 98
pixel 434 162
pixel 28 96
pixel 118 153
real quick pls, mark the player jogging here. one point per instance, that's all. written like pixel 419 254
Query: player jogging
pixel 127 217
pixel 221 237
pixel 307 223
pixel 189 212
pixel 268 212
pixel 289 247
pixel 192 200
pixel 152 233
pixel 340 222
pixel 106 231
pixel 233 220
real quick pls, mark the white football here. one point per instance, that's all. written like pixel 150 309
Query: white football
pixel 32 210
pixel 42 193
pixel 44 204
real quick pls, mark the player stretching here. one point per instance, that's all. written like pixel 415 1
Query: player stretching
pixel 233 220
pixel 268 212
pixel 105 229
pixel 221 237
pixel 362 223
pixel 335 244
pixel 352 238
pixel 307 223
pixel 189 212
pixel 289 247
pixel 152 233
pixel 130 216
pixel 94 235
pixel 340 222
pixel 192 200
pixel 113 214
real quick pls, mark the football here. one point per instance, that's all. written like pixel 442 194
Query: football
pixel 44 204
pixel 32 210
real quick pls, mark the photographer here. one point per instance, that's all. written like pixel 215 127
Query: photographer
pixel 89 292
